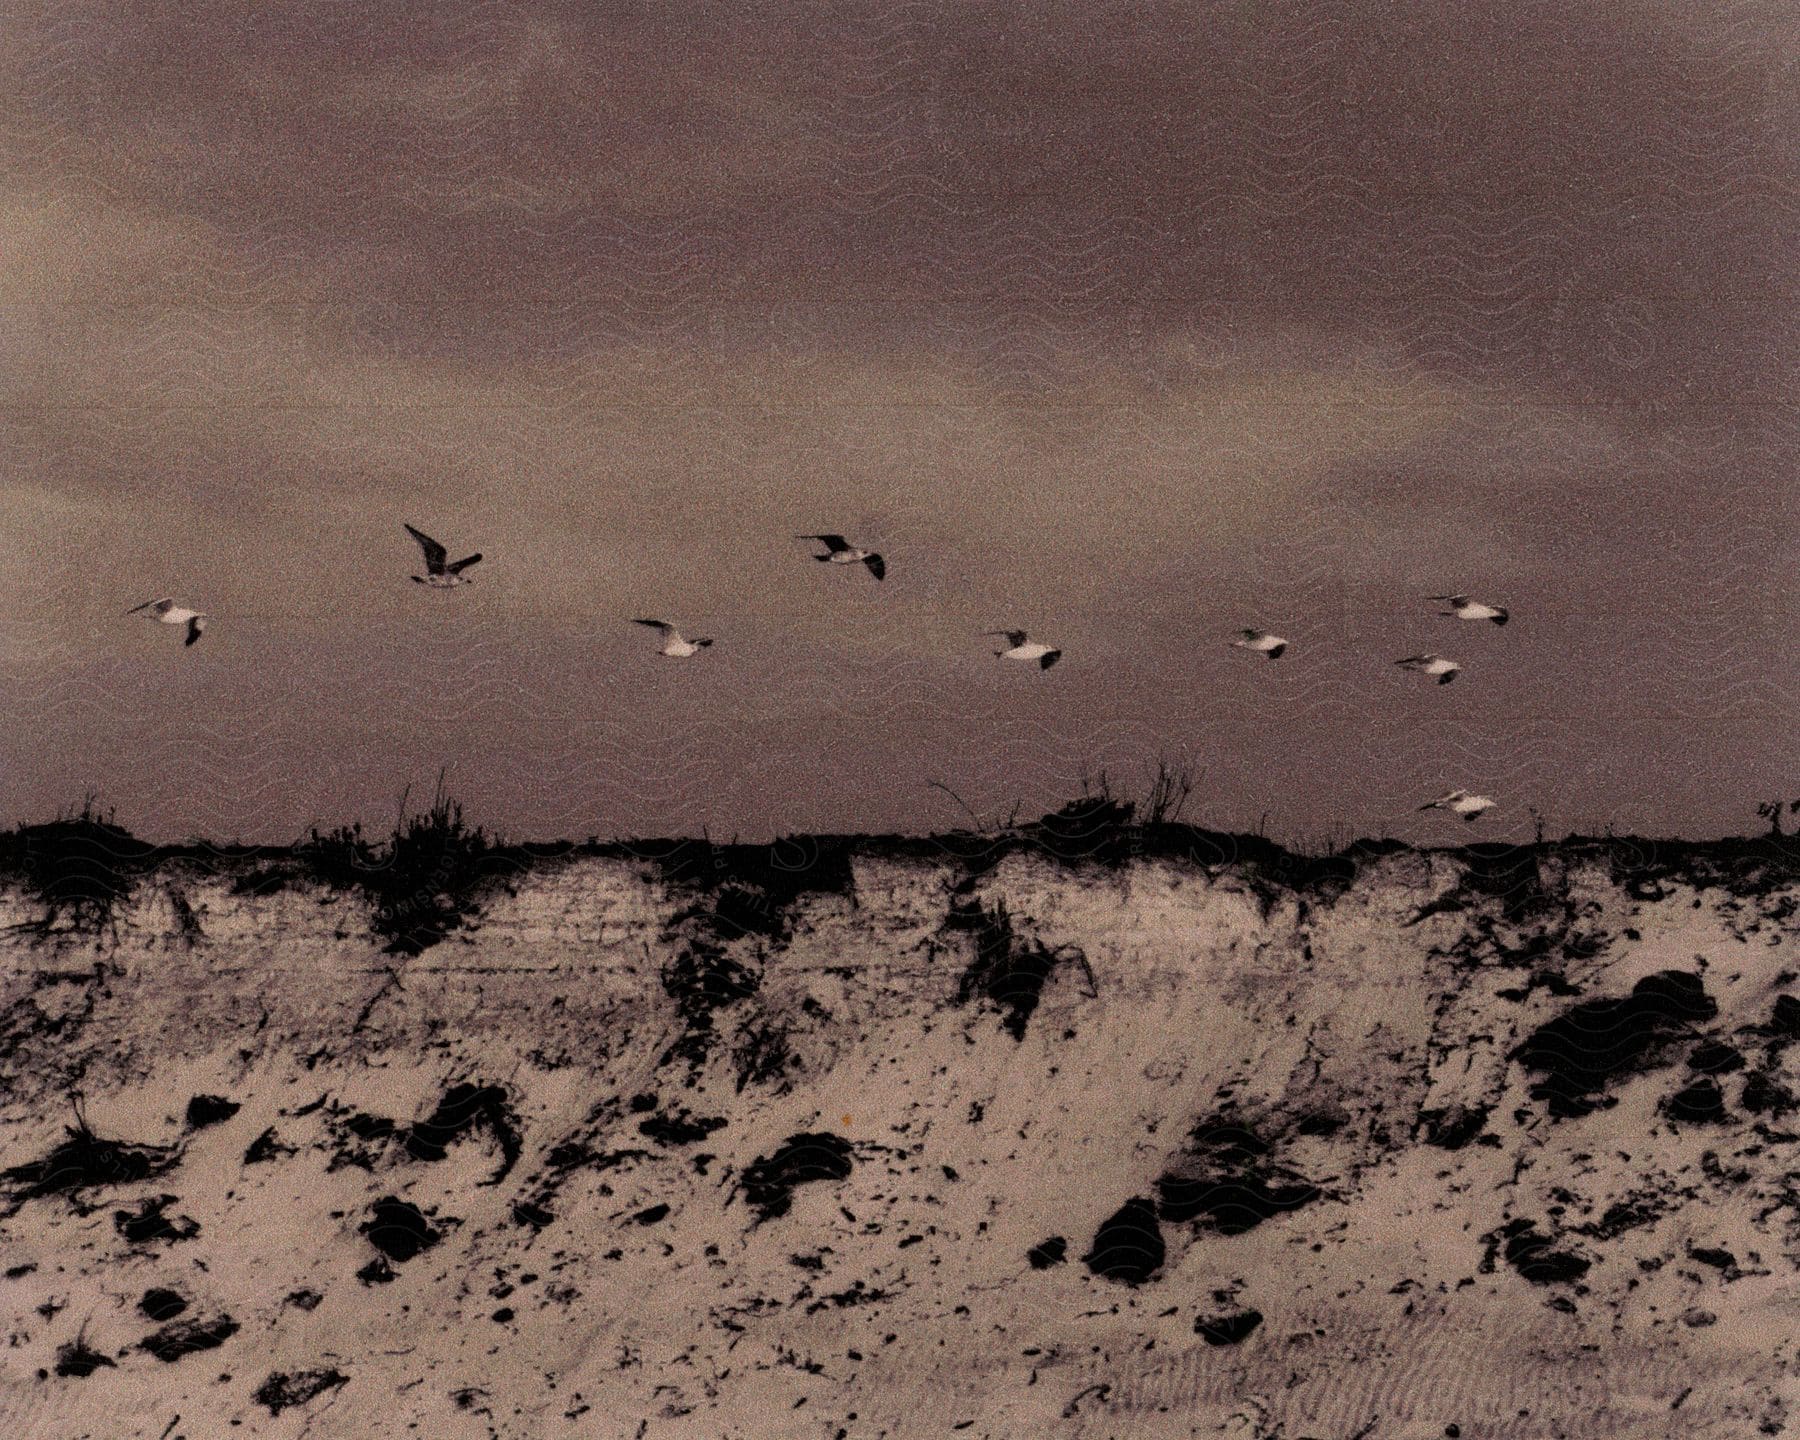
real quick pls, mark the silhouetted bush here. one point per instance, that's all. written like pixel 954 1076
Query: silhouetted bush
pixel 80 867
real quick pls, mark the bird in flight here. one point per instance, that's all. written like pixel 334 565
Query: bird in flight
pixel 169 613
pixel 839 551
pixel 1461 802
pixel 1262 642
pixel 438 574
pixel 1019 650
pixel 1463 608
pixel 1445 670
pixel 673 644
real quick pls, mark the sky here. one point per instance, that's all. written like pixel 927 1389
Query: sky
pixel 1125 324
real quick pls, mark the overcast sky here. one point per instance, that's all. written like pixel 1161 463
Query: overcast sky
pixel 1127 324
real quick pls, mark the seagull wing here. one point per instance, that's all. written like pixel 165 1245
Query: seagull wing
pixel 877 566
pixel 464 563
pixel 196 624
pixel 158 605
pixel 833 543
pixel 435 554
pixel 662 625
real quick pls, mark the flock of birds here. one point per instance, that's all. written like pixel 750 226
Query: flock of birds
pixel 442 573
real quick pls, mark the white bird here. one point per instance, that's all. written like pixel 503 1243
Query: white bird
pixel 839 551
pixel 438 574
pixel 1463 608
pixel 673 644
pixel 1461 802
pixel 1043 654
pixel 1262 642
pixel 169 613
pixel 1428 664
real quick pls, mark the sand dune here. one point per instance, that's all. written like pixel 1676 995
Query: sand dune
pixel 1495 1145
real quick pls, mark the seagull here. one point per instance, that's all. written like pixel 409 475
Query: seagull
pixel 170 613
pixel 673 644
pixel 1043 654
pixel 1462 803
pixel 1463 608
pixel 1262 642
pixel 840 551
pixel 1445 670
pixel 437 574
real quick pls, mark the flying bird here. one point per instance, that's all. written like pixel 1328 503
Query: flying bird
pixel 1463 608
pixel 438 574
pixel 1262 642
pixel 169 613
pixel 839 551
pixel 1462 803
pixel 1043 654
pixel 1445 670
pixel 673 644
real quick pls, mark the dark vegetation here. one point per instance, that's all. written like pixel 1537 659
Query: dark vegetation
pixel 1534 1255
pixel 148 1222
pixel 84 1161
pixel 187 1337
pixel 281 1392
pixel 161 1304
pixel 1582 1051
pixel 77 1360
pixel 1227 1180
pixel 204 1110
pixel 768 1182
pixel 467 1107
pixel 427 877
pixel 1008 971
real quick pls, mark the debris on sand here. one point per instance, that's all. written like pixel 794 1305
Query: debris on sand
pixel 86 1160
pixel 1534 1254
pixel 1048 1252
pixel 463 1108
pixel 149 1223
pixel 186 1337
pixel 680 1128
pixel 77 1359
pixel 398 1229
pixel 1128 1246
pixel 1226 1180
pixel 282 1392
pixel 1231 1329
pixel 768 1183
pixel 265 1147
pixel 204 1110
pixel 1582 1051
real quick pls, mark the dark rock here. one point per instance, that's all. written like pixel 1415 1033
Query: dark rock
pixel 398 1229
pixel 768 1183
pixel 281 1392
pixel 1718 1258
pixel 160 1305
pixel 204 1110
pixel 1047 1253
pixel 1128 1246
pixel 1227 1329
pixel 1700 1103
pixel 651 1215
pixel 185 1337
